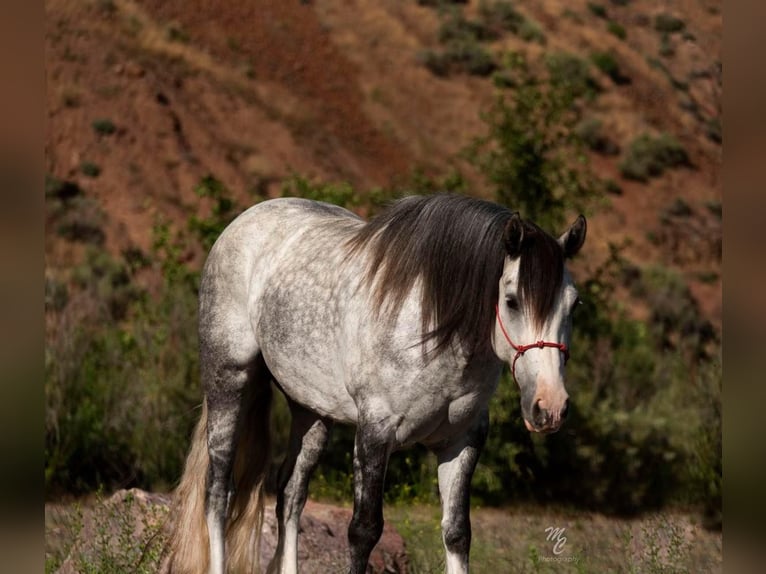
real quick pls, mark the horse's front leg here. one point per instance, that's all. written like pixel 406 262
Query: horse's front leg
pixel 457 461
pixel 372 448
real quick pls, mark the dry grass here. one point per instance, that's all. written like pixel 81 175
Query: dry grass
pixel 511 541
pixel 515 541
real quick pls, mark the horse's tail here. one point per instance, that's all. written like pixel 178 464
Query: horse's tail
pixel 251 461
pixel 187 548
pixel 188 545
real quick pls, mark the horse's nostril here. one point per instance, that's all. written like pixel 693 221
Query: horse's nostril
pixel 537 414
pixel 565 410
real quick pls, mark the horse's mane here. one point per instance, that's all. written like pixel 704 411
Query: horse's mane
pixel 455 246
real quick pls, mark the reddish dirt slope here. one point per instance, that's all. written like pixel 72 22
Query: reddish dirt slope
pixel 252 91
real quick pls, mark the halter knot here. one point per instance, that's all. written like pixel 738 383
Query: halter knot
pixel 521 349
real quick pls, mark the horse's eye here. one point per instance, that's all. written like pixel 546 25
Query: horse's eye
pixel 512 303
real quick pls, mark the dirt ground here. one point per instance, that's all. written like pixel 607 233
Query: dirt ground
pixel 511 540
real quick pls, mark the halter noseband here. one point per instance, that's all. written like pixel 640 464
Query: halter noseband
pixel 521 349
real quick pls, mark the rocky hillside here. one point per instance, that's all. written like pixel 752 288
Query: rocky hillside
pixel 144 98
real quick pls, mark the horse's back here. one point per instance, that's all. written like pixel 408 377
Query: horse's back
pixel 270 277
pixel 260 237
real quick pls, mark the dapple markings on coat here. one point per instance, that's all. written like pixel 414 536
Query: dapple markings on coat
pixel 390 326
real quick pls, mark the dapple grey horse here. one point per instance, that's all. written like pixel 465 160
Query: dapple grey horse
pixel 399 326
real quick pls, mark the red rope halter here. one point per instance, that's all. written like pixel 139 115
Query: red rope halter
pixel 521 349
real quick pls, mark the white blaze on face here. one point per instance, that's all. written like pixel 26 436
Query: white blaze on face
pixel 540 372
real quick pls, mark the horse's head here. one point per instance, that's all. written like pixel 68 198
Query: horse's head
pixel 533 323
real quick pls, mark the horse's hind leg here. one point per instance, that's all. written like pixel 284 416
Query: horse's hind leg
pixel 457 462
pixel 308 437
pixel 228 384
pixel 223 402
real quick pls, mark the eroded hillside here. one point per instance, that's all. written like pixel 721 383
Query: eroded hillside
pixel 145 98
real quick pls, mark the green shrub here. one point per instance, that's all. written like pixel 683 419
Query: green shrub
pixel 716 208
pixel 223 211
pixel 122 383
pixel 420 183
pixel 459 57
pixel 607 63
pixel 679 208
pixel 667 49
pixel 81 219
pixel 90 169
pixel 668 24
pixel 650 156
pixel 713 130
pixel 338 193
pixel 500 15
pixel 570 74
pixel 454 27
pixel 617 30
pixel 103 126
pixel 530 31
pixel 612 187
pixel 176 33
pixel 597 10
pixel 61 190
pixel 637 418
pixel 591 133
pixel 56 294
pixel 527 154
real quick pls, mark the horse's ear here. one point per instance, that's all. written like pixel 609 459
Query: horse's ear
pixel 513 235
pixel 571 241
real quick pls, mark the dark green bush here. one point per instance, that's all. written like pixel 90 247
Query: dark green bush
pixel 570 74
pixel 650 156
pixel 617 30
pixel 500 15
pixel 90 169
pixel 122 383
pixel 103 126
pixel 713 130
pixel 176 33
pixel 454 27
pixel 61 190
pixel 81 219
pixel 679 208
pixel 636 417
pixel 590 131
pixel 667 49
pixel 612 187
pixel 223 210
pixel 607 63
pixel 459 57
pixel 597 10
pixel 531 155
pixel 668 24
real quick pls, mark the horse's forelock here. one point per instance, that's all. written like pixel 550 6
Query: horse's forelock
pixel 541 272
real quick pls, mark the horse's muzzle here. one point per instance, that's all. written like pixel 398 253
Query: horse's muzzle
pixel 545 421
